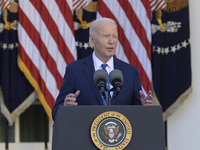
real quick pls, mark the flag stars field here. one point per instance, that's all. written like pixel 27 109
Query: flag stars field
pixel 173 49
pixel 10 46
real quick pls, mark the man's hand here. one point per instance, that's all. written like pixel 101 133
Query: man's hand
pixel 70 99
pixel 146 100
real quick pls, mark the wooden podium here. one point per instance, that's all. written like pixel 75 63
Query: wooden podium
pixel 72 127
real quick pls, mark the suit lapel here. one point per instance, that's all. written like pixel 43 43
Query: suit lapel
pixel 117 64
pixel 89 72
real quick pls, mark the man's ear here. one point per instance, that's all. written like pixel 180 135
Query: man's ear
pixel 92 40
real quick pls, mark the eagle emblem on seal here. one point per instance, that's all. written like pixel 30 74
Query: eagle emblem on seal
pixel 111 132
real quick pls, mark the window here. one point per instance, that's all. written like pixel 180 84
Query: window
pixel 34 125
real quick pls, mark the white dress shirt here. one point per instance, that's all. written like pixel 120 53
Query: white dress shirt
pixel 109 67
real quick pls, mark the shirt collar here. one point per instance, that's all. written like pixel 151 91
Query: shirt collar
pixel 98 63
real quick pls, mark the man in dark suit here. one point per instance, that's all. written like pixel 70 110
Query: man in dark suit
pixel 78 87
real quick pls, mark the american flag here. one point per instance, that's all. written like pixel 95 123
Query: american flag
pixel 134 28
pixel 46 45
pixel 4 4
pixel 157 4
pixel 78 4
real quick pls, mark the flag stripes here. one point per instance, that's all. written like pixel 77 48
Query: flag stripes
pixel 157 4
pixel 133 19
pixel 25 67
pixel 133 15
pixel 78 4
pixel 33 62
pixel 40 46
pixel 4 4
pixel 66 10
pixel 56 30
pixel 46 45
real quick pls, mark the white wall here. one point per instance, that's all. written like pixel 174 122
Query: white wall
pixel 184 124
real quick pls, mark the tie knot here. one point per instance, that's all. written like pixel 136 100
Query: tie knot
pixel 104 66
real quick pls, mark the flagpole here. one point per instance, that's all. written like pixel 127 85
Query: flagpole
pixel 6 135
pixel 46 131
pixel 165 125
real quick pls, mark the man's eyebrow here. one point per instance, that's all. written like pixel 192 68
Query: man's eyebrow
pixel 110 34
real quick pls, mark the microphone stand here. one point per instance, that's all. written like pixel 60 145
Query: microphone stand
pixel 109 96
pixel 109 101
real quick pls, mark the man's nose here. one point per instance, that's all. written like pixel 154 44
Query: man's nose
pixel 111 39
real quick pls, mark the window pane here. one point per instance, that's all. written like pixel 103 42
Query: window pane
pixel 2 130
pixel 33 123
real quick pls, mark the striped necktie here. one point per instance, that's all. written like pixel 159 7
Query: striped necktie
pixel 105 102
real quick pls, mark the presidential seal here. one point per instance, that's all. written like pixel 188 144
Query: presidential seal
pixel 111 131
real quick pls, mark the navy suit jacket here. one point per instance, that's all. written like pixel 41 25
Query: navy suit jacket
pixel 79 76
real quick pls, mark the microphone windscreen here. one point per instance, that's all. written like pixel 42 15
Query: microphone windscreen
pixel 116 76
pixel 100 75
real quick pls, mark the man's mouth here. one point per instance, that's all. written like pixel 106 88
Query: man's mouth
pixel 109 48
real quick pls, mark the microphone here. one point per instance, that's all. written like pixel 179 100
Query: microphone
pixel 116 79
pixel 100 79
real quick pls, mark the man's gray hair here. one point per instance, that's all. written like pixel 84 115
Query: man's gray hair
pixel 93 26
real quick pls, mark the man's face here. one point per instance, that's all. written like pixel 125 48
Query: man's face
pixel 105 41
